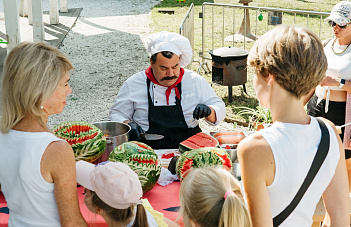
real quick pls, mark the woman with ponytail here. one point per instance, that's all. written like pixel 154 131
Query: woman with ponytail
pixel 211 196
pixel 113 190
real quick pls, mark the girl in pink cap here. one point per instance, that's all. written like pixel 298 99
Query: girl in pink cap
pixel 113 190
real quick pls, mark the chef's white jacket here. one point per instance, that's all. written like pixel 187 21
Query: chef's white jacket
pixel 131 102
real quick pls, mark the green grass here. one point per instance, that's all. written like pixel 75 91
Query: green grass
pixel 223 19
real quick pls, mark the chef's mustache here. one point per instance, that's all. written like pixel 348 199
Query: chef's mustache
pixel 169 78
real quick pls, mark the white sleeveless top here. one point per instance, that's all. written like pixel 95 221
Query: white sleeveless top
pixel 294 147
pixel 29 197
pixel 339 66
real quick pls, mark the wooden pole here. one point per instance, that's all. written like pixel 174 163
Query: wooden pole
pixel 30 12
pixel 38 24
pixel 54 12
pixel 23 8
pixel 63 6
pixel 11 24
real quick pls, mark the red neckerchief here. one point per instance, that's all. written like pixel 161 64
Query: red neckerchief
pixel 150 75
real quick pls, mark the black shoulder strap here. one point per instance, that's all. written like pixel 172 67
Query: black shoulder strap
pixel 321 154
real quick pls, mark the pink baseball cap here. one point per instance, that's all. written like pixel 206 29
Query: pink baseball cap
pixel 341 13
pixel 115 183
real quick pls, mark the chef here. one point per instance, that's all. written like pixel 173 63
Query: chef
pixel 167 99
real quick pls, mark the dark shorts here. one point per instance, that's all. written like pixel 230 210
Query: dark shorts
pixel 336 114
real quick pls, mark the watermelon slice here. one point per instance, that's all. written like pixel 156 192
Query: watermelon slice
pixel 233 137
pixel 87 141
pixel 198 141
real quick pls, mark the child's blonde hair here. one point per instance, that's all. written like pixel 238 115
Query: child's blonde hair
pixel 294 55
pixel 202 199
pixel 32 72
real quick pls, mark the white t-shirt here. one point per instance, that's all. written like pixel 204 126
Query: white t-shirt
pixel 294 147
pixel 131 102
pixel 29 197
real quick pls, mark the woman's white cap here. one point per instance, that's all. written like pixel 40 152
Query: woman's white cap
pixel 341 13
pixel 173 42
pixel 115 183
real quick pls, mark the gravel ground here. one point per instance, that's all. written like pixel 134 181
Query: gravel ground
pixel 106 46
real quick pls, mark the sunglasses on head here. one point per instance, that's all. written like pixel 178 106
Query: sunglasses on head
pixel 332 23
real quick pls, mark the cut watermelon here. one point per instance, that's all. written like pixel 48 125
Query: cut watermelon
pixel 87 141
pixel 199 140
pixel 200 158
pixel 142 159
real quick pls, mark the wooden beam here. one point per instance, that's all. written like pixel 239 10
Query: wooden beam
pixel 38 23
pixel 30 12
pixel 63 6
pixel 23 8
pixel 13 34
pixel 54 12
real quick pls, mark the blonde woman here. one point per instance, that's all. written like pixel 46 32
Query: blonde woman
pixel 212 197
pixel 289 62
pixel 37 170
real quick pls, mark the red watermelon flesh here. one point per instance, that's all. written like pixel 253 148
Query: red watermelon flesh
pixel 199 140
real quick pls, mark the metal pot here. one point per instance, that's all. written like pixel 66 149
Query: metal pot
pixel 116 133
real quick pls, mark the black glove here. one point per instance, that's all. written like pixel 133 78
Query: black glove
pixel 135 131
pixel 201 110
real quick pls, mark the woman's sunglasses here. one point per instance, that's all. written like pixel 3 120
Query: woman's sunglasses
pixel 332 23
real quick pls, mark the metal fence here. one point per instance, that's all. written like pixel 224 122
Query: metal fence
pixel 187 28
pixel 240 25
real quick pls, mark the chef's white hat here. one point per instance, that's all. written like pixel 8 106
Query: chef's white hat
pixel 173 42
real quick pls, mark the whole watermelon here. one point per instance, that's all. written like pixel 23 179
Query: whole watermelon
pixel 142 159
pixel 202 157
pixel 87 141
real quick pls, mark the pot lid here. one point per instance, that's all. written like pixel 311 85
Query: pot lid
pixel 229 52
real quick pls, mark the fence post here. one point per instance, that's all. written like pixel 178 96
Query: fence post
pixel 30 12
pixel 63 6
pixel 11 24
pixel 38 24
pixel 23 8
pixel 54 12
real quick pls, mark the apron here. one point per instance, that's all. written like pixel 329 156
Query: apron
pixel 168 121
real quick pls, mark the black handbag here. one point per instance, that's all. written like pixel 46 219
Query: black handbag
pixel 318 160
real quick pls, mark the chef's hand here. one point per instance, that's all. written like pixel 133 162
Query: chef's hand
pixel 135 131
pixel 201 110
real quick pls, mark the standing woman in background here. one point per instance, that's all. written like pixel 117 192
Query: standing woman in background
pixel 332 98
pixel 37 170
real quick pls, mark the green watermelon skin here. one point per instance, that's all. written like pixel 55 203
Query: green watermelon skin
pixel 142 159
pixel 197 141
pixel 202 157
pixel 87 141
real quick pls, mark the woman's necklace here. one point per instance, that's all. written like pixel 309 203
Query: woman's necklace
pixel 332 47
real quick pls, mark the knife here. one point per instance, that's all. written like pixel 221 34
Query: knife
pixel 151 136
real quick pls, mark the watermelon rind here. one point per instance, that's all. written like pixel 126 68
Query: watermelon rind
pixel 142 159
pixel 191 144
pixel 74 133
pixel 202 157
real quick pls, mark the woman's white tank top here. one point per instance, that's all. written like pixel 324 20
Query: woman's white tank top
pixel 294 147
